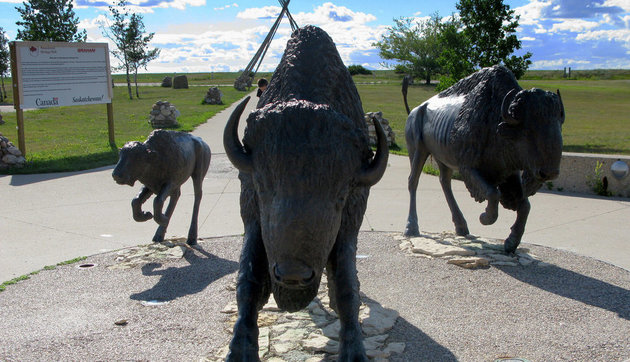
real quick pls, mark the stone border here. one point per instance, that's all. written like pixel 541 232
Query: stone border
pixel 312 335
pixel 470 252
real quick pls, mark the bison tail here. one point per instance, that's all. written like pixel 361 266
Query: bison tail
pixel 405 86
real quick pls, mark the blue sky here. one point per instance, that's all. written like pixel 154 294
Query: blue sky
pixel 223 35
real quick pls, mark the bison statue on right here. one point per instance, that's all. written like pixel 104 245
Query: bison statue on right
pixel 505 142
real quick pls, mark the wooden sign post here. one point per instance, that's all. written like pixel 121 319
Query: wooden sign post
pixel 55 74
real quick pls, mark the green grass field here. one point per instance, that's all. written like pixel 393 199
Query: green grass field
pixel 75 138
pixel 597 111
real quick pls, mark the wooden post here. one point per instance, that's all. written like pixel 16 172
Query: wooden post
pixel 110 124
pixel 19 113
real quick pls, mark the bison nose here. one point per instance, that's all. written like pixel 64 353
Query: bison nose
pixel 545 175
pixel 293 275
pixel 117 178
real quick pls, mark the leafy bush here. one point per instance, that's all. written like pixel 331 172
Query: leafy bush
pixel 358 69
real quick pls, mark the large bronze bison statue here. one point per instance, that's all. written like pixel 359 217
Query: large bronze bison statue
pixel 162 164
pixel 505 142
pixel 306 168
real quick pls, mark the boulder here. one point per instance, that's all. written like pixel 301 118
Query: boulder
pixel 213 96
pixel 163 115
pixel 167 82
pixel 391 136
pixel 180 82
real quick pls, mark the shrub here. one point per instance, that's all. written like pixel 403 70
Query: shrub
pixel 358 69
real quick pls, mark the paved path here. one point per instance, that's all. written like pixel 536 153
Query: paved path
pixel 568 305
pixel 48 218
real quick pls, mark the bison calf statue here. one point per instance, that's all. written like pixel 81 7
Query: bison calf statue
pixel 162 164
pixel 306 168
pixel 505 142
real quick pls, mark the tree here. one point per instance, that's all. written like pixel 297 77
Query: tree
pixel 415 44
pixel 358 69
pixel 49 20
pixel 490 26
pixel 5 61
pixel 454 59
pixel 127 33
pixel 139 53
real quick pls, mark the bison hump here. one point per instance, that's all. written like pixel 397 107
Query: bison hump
pixel 311 69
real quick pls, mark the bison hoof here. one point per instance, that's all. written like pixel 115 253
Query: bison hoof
pixel 143 216
pixel 234 356
pixel 487 218
pixel 412 230
pixel 462 230
pixel 510 245
pixel 353 354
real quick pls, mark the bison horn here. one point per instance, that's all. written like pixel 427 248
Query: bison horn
pixel 561 105
pixel 376 169
pixel 233 147
pixel 507 100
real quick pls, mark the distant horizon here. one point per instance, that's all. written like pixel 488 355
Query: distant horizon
pixel 200 36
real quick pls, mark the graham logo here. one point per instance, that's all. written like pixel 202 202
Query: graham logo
pixel 34 51
pixel 83 50
pixel 47 102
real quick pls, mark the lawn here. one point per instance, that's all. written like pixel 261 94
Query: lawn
pixel 75 138
pixel 597 111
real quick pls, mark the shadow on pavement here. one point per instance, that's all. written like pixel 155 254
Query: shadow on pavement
pixel 418 344
pixel 191 279
pixel 28 179
pixel 572 285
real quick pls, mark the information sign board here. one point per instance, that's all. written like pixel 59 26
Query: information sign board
pixel 55 74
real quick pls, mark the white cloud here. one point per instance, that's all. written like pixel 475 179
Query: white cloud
pixel 624 4
pixel 94 23
pixel 531 13
pixel 558 63
pixel 573 25
pixel 234 5
pixel 528 38
pixel 620 35
pixel 260 13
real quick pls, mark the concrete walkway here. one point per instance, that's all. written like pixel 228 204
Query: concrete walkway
pixel 49 218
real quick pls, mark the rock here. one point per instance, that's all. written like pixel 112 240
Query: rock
pixel 468 252
pixel 318 343
pixel 375 342
pixel 430 247
pixel 391 136
pixel 263 342
pixel 10 156
pixel 471 262
pixel 377 320
pixel 163 115
pixel 213 96
pixel 394 347
pixel 332 330
pixel 180 82
pixel 9 159
pixel 242 82
pixel 167 82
